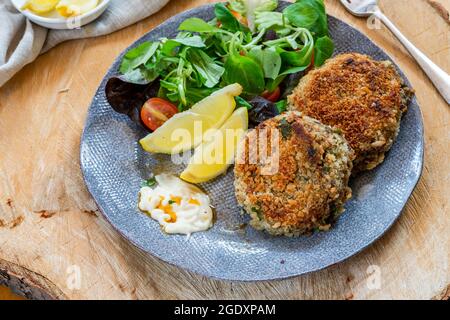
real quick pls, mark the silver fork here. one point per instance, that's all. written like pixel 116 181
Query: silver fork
pixel 366 8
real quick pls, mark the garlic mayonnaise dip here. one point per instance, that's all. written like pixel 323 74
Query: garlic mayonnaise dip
pixel 179 207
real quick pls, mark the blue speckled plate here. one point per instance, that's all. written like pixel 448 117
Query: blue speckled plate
pixel 114 166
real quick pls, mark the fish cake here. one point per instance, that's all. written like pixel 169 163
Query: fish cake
pixel 362 97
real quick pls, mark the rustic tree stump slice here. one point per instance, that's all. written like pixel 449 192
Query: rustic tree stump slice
pixel 54 244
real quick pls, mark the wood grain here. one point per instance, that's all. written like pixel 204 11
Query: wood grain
pixel 441 8
pixel 50 227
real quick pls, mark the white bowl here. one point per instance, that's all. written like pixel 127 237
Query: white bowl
pixel 63 23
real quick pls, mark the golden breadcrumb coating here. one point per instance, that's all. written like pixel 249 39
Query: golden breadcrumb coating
pixel 362 97
pixel 310 185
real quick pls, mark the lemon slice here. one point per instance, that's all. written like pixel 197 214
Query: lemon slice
pixel 212 158
pixel 185 130
pixel 72 8
pixel 40 6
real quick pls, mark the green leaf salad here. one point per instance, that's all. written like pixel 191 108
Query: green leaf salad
pixel 247 42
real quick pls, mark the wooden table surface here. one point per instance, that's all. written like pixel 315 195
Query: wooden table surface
pixel 53 238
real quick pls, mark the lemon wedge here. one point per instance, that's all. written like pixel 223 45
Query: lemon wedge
pixel 72 8
pixel 40 6
pixel 185 130
pixel 212 158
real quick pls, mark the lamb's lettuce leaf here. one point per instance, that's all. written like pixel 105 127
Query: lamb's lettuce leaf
pixel 308 14
pixel 269 59
pixel 245 71
pixel 210 71
pixel 323 50
pixel 138 56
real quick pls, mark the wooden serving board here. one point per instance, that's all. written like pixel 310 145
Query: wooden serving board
pixel 55 244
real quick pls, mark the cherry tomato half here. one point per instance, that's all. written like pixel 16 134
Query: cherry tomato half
pixel 156 111
pixel 273 96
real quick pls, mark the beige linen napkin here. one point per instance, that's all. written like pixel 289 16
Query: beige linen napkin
pixel 21 41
